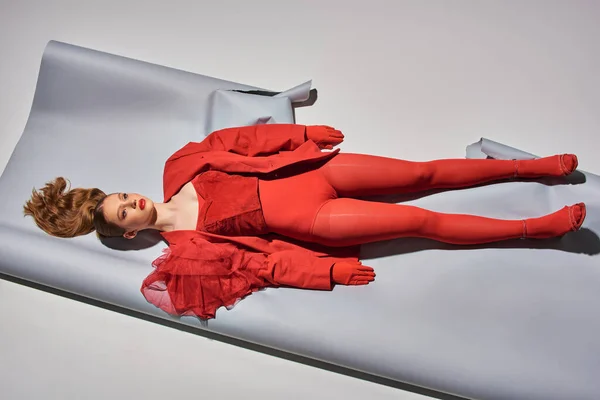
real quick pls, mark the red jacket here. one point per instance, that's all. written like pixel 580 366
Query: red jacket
pixel 201 272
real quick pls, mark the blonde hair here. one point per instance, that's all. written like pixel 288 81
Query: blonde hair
pixel 67 213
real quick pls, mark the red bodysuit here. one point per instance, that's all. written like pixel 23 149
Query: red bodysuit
pixel 229 205
pixel 273 212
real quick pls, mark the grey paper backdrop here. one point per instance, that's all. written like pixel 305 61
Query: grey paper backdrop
pixel 509 321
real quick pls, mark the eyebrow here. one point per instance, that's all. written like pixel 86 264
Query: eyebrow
pixel 119 208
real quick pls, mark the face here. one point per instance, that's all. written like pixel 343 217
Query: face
pixel 130 211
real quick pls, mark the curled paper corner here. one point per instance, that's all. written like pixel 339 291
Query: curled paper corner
pixel 297 94
pixel 485 148
pixel 474 150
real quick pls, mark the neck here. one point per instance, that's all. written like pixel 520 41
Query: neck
pixel 164 220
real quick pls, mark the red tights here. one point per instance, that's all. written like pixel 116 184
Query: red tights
pixel 345 221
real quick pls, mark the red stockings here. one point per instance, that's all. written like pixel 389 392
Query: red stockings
pixel 346 221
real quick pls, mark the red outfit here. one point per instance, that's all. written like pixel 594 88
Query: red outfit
pixel 202 271
pixel 269 178
pixel 229 205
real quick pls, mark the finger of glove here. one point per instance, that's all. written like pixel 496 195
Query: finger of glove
pixel 360 276
pixel 359 282
pixel 366 278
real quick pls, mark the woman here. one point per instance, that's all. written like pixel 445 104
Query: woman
pixel 259 206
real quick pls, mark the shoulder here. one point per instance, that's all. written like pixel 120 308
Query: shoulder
pixel 189 149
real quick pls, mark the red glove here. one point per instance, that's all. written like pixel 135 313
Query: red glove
pixel 350 273
pixel 324 136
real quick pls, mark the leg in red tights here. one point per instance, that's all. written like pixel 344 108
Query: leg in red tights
pixel 355 175
pixel 348 222
pixel 345 222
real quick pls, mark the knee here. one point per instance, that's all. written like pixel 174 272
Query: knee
pixel 425 172
pixel 423 220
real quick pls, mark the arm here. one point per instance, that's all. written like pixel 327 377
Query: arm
pixel 298 269
pixel 302 270
pixel 267 139
pixel 198 277
pixel 256 140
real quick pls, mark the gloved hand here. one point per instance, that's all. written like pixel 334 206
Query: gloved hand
pixel 350 273
pixel 324 136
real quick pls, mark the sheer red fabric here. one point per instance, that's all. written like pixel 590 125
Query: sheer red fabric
pixel 197 277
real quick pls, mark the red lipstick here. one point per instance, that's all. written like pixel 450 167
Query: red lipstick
pixel 142 204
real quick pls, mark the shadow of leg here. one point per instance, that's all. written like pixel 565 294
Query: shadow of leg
pixel 583 241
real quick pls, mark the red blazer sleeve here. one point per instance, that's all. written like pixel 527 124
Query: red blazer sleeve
pixel 298 269
pixel 198 277
pixel 256 140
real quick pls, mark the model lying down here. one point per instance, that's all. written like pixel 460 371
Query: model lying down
pixel 259 206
